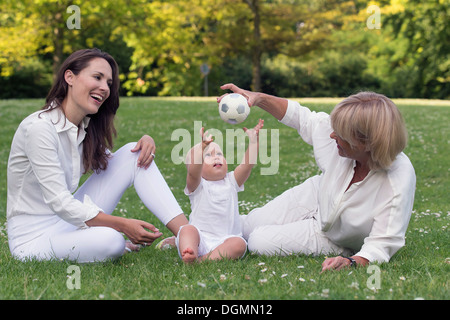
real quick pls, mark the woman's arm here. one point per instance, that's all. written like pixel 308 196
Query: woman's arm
pixel 275 106
pixel 135 230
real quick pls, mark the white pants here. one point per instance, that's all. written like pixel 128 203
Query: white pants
pixel 289 224
pixel 54 238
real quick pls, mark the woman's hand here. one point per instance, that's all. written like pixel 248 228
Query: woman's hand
pixel 251 97
pixel 338 263
pixel 275 106
pixel 137 231
pixel 147 147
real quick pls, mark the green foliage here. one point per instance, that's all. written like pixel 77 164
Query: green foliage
pixel 31 79
pixel 426 25
pixel 295 48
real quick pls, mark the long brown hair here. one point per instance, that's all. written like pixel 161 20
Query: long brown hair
pixel 101 130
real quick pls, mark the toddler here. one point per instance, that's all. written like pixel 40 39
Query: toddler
pixel 214 230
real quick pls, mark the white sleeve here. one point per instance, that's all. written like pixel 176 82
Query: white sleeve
pixel 41 148
pixel 389 227
pixel 314 128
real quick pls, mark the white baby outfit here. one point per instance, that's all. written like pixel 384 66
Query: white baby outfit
pixel 215 212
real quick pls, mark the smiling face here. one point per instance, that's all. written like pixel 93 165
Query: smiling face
pixel 87 90
pixel 214 164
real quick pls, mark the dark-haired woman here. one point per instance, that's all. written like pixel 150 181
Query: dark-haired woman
pixel 48 218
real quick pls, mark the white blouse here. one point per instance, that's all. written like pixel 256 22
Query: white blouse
pixel 372 216
pixel 44 169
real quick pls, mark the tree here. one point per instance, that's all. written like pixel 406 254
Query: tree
pixel 426 27
pixel 293 28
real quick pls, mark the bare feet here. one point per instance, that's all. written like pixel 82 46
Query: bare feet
pixel 131 247
pixel 188 255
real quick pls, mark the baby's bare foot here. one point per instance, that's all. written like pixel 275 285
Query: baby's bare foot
pixel 188 255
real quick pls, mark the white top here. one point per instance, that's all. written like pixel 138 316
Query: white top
pixel 45 166
pixel 372 216
pixel 215 208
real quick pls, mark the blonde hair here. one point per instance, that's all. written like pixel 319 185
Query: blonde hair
pixel 373 120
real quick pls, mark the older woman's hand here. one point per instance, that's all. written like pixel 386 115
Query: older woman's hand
pixel 275 106
pixel 338 263
pixel 147 147
pixel 335 263
pixel 251 97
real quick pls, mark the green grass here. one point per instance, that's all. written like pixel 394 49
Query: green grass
pixel 419 270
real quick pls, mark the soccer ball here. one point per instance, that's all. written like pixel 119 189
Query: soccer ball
pixel 233 108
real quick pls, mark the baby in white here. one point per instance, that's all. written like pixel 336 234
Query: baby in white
pixel 214 230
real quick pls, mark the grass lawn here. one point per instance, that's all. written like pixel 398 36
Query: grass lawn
pixel 419 270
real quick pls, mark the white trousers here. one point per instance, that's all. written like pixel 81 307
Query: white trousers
pixel 53 238
pixel 289 224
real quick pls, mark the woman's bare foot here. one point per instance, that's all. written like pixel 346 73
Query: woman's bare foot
pixel 131 247
pixel 188 255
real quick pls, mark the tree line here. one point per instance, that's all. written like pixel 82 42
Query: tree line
pixel 283 47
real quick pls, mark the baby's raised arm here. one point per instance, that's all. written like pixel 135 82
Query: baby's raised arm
pixel 242 171
pixel 194 161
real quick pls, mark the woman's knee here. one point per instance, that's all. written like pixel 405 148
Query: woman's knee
pixel 110 243
pixel 260 243
pixel 124 153
pixel 95 244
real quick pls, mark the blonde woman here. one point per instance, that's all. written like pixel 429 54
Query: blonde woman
pixel 359 207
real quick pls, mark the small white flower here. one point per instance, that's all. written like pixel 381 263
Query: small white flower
pixel 301 279
pixel 201 284
pixel 284 275
pixel 262 280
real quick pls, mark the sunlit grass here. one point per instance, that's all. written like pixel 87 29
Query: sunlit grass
pixel 419 270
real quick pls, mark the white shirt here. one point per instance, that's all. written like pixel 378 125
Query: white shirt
pixel 372 216
pixel 45 166
pixel 215 208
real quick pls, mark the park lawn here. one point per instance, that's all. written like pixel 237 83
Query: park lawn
pixel 418 271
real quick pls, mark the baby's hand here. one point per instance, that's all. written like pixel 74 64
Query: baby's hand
pixel 206 138
pixel 253 134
